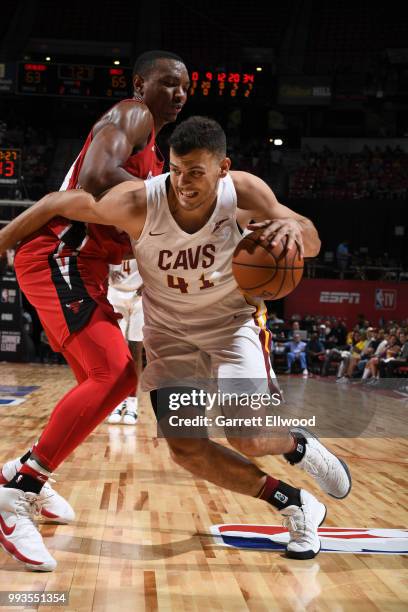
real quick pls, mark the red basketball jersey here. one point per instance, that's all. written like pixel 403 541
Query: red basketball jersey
pixel 76 255
pixel 105 242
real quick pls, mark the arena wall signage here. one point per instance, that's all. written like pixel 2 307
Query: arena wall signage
pixel 11 325
pixel 347 299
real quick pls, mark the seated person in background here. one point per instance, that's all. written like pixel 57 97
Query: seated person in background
pixel 7 262
pixel 278 345
pixel 382 343
pixel 295 329
pixel 321 334
pixel 334 351
pixel 366 353
pixel 314 350
pixel 391 351
pixel 388 366
pixel 357 345
pixel 274 320
pixel 296 350
pixel 338 333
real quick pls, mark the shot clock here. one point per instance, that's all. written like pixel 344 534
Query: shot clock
pixel 10 166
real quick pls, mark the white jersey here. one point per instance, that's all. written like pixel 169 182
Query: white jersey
pixel 187 276
pixel 125 276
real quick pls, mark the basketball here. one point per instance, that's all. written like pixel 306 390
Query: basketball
pixel 266 271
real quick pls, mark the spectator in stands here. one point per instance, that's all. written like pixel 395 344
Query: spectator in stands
pixel 322 334
pixel 338 333
pixel 390 352
pixel 388 367
pixel 334 347
pixel 273 320
pixel 357 344
pixel 296 351
pixel 314 351
pixel 295 329
pixel 343 257
pixel 373 174
pixel 383 339
pixel 7 262
pixel 278 346
pixel 27 337
pixel 365 355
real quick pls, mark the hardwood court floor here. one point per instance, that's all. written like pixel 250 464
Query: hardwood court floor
pixel 140 541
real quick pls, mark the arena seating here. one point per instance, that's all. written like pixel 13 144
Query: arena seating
pixel 348 35
pixel 109 21
pixel 378 174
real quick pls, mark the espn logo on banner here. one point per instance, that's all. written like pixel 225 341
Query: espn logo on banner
pixel 385 299
pixel 339 297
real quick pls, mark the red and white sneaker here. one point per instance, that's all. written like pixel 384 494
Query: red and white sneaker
pixel 51 504
pixel 19 536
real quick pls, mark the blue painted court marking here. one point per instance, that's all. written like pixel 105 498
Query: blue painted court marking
pixel 17 390
pixel 374 541
pixel 11 401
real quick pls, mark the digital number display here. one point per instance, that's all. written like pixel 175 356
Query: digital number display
pixel 207 83
pixel 75 80
pixel 75 72
pixel 85 81
pixel 10 166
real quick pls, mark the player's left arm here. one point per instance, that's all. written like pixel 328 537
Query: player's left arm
pixel 258 203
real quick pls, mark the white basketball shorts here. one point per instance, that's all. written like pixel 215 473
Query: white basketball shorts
pixel 129 305
pixel 229 347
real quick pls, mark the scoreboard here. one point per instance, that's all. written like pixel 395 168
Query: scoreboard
pixel 74 80
pixel 87 81
pixel 10 166
pixel 221 84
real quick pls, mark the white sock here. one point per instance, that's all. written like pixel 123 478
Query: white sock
pixel 131 404
pixel 34 465
pixel 366 374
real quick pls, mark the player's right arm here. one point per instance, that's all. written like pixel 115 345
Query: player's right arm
pixel 126 128
pixel 124 206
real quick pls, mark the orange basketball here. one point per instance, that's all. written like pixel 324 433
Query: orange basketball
pixel 265 271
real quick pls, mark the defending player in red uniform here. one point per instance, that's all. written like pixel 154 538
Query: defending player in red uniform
pixel 63 269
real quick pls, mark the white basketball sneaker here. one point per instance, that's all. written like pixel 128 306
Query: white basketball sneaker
pixel 330 472
pixel 130 416
pixel 115 417
pixel 302 523
pixel 51 504
pixel 19 536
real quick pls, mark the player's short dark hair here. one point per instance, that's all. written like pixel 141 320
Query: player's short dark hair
pixel 199 133
pixel 146 61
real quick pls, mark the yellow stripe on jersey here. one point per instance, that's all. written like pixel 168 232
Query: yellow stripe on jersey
pixel 260 319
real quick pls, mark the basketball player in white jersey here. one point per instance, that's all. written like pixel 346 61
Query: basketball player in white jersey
pixel 125 295
pixel 183 227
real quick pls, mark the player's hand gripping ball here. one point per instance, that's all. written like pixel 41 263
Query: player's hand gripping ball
pixel 266 271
